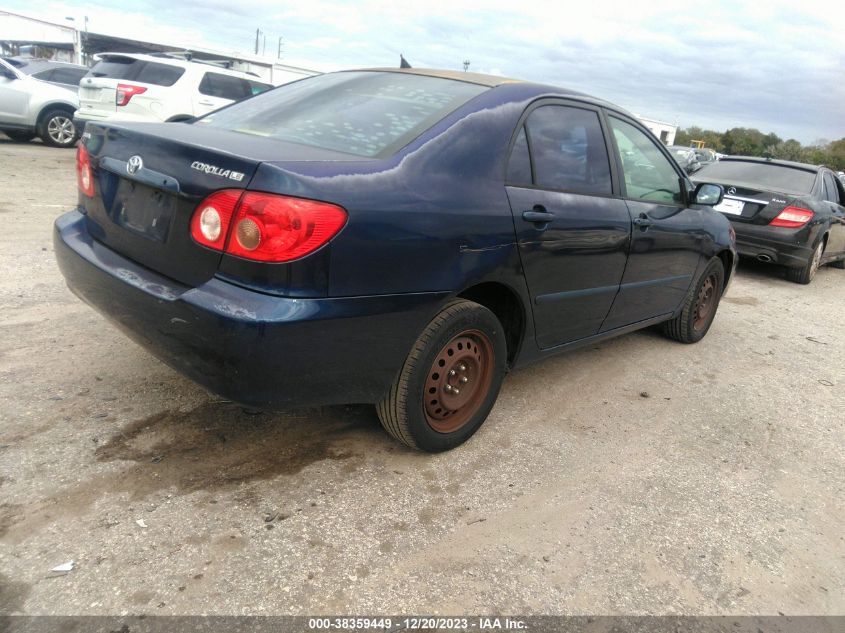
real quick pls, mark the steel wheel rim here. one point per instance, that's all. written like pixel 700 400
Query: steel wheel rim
pixel 458 381
pixel 705 303
pixel 817 258
pixel 60 129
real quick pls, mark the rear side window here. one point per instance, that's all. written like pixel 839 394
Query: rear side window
pixel 159 74
pixel 71 76
pixel 519 166
pixel 44 75
pixel 830 192
pixel 568 150
pixel 360 113
pixel 116 67
pixel 224 86
pixel 759 175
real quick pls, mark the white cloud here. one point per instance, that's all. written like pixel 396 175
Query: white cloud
pixel 776 65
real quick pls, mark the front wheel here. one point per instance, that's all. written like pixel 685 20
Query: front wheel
pixel 57 129
pixel 807 273
pixel 449 381
pixel 700 305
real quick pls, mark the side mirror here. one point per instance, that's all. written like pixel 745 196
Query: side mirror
pixel 8 74
pixel 708 194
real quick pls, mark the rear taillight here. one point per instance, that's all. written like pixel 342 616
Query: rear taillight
pixel 792 218
pixel 125 92
pixel 265 227
pixel 210 222
pixel 84 175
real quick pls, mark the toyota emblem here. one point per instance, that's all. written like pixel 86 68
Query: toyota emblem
pixel 134 164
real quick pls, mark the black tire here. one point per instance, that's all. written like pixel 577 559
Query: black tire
pixel 704 295
pixel 20 136
pixel 472 339
pixel 57 128
pixel 805 274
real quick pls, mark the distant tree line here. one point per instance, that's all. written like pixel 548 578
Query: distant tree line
pixel 741 141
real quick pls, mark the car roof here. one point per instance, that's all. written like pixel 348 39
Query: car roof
pixel 31 66
pixel 495 81
pixel 772 161
pixel 184 63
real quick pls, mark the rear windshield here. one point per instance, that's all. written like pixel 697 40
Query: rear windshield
pixel 361 113
pixel 115 67
pixel 763 175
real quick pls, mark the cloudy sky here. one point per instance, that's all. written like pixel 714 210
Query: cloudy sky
pixel 771 64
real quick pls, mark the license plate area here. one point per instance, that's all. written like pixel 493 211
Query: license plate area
pixel 143 210
pixel 730 206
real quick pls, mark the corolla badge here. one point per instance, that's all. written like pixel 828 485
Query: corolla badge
pixel 134 164
pixel 214 170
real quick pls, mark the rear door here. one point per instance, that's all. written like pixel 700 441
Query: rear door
pixel 572 231
pixel 667 235
pixel 836 205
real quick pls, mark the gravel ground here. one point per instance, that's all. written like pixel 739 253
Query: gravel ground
pixel 639 476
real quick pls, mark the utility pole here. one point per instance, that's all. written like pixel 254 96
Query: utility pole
pixel 466 65
pixel 279 51
pixel 257 39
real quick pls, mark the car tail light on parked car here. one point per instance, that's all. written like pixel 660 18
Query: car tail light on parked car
pixel 792 218
pixel 84 175
pixel 265 227
pixel 125 92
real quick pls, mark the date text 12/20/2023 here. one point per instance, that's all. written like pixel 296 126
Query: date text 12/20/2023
pixel 417 623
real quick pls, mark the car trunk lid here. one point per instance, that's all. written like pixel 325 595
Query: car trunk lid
pixel 97 95
pixel 149 179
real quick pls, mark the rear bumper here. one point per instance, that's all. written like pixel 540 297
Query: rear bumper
pixel 262 351
pixel 788 247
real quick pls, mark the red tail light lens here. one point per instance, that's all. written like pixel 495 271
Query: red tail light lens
pixel 212 218
pixel 84 175
pixel 266 227
pixel 125 92
pixel 792 218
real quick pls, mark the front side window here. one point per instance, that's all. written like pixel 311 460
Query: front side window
pixel 648 174
pixel 568 150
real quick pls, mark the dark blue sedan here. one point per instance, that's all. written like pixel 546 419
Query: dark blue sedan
pixel 398 237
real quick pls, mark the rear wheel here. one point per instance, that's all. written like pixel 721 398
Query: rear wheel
pixel 57 129
pixel 449 381
pixel 700 305
pixel 20 136
pixel 806 273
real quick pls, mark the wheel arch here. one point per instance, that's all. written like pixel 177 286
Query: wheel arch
pixel 727 259
pixel 507 305
pixel 54 105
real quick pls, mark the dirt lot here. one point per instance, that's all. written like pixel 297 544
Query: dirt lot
pixel 720 492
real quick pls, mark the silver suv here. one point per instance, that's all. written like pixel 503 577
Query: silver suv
pixel 31 107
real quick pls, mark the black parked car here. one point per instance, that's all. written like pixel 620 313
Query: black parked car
pixel 783 212
pixel 397 237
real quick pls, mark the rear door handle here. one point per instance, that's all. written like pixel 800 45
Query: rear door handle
pixel 543 217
